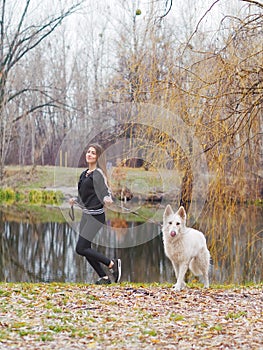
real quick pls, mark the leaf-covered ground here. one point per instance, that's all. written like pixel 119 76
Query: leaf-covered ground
pixel 129 316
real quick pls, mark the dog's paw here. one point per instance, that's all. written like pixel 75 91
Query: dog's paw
pixel 177 287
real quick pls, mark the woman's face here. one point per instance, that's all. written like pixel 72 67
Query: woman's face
pixel 91 155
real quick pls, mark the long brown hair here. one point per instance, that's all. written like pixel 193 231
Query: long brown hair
pixel 101 159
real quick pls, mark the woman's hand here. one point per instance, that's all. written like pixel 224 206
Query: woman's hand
pixel 107 200
pixel 72 201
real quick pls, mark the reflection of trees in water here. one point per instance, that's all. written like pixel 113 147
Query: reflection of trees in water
pixel 46 252
pixel 38 252
pixel 235 240
pixel 32 251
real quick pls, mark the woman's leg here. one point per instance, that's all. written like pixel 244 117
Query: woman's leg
pixel 89 227
pixel 94 258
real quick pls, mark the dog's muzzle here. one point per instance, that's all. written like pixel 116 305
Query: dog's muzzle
pixel 173 233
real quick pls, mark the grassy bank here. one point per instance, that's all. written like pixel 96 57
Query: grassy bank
pixel 142 183
pixel 43 177
pixel 29 185
pixel 38 177
pixel 53 185
pixel 129 316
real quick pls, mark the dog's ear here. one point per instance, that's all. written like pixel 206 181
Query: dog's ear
pixel 168 211
pixel 182 213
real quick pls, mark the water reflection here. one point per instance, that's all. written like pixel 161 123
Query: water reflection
pixel 33 251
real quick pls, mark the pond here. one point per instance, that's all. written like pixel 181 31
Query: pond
pixel 35 249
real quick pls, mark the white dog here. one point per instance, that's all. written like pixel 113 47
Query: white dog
pixel 185 247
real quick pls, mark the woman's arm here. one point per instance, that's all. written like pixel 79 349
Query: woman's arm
pixel 101 187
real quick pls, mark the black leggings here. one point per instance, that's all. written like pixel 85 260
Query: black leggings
pixel 89 227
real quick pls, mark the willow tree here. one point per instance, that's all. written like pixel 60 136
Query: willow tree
pixel 229 84
pixel 23 26
pixel 212 83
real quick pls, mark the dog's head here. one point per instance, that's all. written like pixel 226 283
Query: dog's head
pixel 174 223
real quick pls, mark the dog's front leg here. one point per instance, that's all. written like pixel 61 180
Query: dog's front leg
pixel 176 269
pixel 180 284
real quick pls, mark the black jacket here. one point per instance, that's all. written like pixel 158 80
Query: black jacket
pixel 92 189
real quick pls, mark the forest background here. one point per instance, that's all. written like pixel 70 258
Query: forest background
pixel 72 64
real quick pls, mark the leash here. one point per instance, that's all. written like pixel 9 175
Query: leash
pixel 71 213
pixel 127 210
pixel 138 214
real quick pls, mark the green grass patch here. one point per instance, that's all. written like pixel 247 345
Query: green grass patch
pixel 217 328
pixel 10 196
pixel 176 317
pixel 145 182
pixel 235 315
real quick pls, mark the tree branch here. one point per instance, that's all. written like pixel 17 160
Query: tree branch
pixel 254 3
pixel 169 9
pixel 21 45
pixel 197 26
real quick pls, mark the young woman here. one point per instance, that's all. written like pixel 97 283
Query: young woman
pixel 93 195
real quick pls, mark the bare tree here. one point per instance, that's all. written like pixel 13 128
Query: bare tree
pixel 20 33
